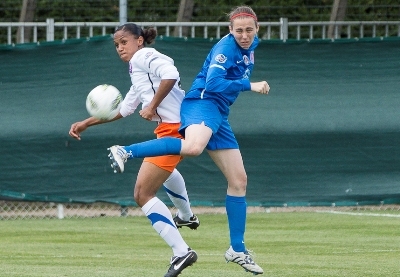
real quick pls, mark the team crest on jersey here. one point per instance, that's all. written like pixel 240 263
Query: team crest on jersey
pixel 148 55
pixel 220 58
pixel 130 67
pixel 246 74
pixel 246 60
pixel 252 56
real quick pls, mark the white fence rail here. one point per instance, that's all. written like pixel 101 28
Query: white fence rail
pixel 283 30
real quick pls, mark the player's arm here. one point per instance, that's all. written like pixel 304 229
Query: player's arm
pixel 221 60
pixel 78 127
pixel 165 87
pixel 163 67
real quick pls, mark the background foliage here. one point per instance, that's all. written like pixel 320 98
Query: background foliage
pixel 205 10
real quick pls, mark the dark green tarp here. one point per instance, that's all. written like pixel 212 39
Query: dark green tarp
pixel 329 132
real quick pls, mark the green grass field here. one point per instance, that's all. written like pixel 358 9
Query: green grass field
pixel 286 244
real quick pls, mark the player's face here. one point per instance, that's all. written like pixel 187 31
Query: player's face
pixel 126 44
pixel 244 30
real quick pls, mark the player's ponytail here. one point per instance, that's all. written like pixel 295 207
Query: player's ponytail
pixel 149 35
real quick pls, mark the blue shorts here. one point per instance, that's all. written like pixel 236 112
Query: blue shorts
pixel 196 111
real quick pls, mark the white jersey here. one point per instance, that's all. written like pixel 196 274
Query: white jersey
pixel 147 68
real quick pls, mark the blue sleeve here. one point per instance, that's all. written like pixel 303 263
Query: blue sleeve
pixel 219 78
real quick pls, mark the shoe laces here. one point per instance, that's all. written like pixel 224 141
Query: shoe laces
pixel 123 154
pixel 249 256
pixel 193 218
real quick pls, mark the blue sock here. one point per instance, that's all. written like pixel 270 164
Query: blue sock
pixel 155 147
pixel 236 210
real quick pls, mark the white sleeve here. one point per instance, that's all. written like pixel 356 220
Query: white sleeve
pixel 130 103
pixel 159 65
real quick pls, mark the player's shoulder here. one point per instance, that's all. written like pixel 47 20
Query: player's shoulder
pixel 146 52
pixel 225 43
pixel 225 49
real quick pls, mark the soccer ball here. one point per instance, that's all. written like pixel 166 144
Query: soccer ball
pixel 103 102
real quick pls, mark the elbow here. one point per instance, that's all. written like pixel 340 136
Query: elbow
pixel 212 86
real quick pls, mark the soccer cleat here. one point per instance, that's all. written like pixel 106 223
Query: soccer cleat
pixel 118 156
pixel 243 259
pixel 193 222
pixel 180 263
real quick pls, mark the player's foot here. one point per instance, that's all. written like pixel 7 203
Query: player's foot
pixel 180 263
pixel 243 259
pixel 118 156
pixel 192 223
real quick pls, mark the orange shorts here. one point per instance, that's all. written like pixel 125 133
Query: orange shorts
pixel 168 162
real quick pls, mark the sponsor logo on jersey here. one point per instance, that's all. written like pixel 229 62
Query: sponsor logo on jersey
pixel 220 58
pixel 148 54
pixel 246 74
pixel 246 60
pixel 252 56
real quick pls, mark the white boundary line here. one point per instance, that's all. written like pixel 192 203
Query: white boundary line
pixel 360 214
pixel 363 251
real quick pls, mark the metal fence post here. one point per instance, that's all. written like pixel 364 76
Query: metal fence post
pixel 284 28
pixel 124 211
pixel 60 211
pixel 50 29
pixel 123 11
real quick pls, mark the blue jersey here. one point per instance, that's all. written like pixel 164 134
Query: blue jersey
pixel 225 73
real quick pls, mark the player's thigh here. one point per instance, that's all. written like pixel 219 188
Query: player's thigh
pixel 230 162
pixel 197 137
pixel 200 119
pixel 149 179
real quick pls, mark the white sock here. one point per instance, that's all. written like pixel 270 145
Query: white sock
pixel 161 219
pixel 176 190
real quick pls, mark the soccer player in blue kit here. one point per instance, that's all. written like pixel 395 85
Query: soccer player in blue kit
pixel 204 123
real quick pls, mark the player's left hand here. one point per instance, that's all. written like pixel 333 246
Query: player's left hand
pixel 260 87
pixel 76 129
pixel 147 113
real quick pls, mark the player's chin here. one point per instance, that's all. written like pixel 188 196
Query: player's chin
pixel 124 58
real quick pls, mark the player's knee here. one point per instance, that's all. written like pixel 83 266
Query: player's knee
pixel 239 183
pixel 141 196
pixel 193 150
pixel 242 182
pixel 137 198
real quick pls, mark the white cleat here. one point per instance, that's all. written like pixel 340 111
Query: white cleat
pixel 118 156
pixel 243 259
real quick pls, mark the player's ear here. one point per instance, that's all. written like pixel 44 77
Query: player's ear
pixel 140 40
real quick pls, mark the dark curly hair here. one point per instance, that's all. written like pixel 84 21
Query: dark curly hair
pixel 149 34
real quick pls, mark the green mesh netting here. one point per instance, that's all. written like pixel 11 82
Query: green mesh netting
pixel 329 132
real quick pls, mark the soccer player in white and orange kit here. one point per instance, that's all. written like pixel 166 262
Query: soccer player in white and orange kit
pixel 155 84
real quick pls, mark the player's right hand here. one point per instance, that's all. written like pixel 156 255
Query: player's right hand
pixel 261 87
pixel 76 129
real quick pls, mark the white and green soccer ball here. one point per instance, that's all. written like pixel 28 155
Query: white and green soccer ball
pixel 104 102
